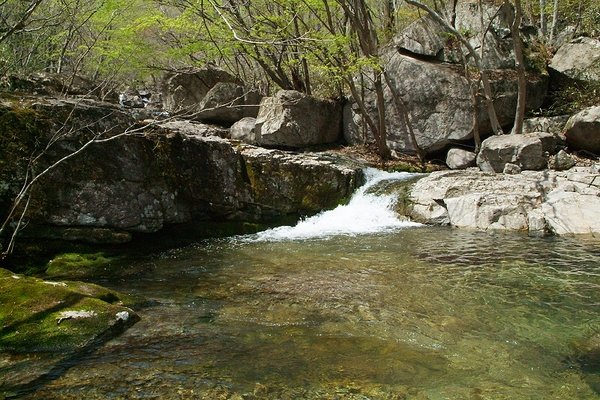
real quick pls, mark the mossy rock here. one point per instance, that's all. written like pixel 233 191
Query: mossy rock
pixel 80 265
pixel 38 315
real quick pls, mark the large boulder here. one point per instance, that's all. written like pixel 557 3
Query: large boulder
pixel 227 102
pixel 526 151
pixel 183 92
pixel 583 131
pixel 439 103
pixel 438 96
pixel 578 59
pixel 426 37
pixel 291 119
pixel 566 202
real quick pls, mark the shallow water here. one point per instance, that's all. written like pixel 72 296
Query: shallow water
pixel 419 313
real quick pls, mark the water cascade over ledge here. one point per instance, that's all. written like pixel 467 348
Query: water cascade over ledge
pixel 367 212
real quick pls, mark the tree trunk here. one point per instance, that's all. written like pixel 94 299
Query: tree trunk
pixel 381 137
pixel 520 67
pixel 554 22
pixel 543 19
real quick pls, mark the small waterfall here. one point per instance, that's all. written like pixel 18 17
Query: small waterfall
pixel 365 213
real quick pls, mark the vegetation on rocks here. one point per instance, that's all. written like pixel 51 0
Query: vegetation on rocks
pixel 39 315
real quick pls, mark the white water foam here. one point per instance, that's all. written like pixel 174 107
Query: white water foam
pixel 365 213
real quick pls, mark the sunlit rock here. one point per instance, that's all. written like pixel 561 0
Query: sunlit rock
pixel 291 119
pixel 557 202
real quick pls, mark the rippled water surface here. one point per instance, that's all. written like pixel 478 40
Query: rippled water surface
pixel 422 313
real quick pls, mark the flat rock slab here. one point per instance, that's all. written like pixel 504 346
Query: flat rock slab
pixel 541 202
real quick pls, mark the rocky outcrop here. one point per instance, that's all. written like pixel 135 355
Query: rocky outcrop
pixel 583 131
pixel 191 128
pixel 438 96
pixel 578 59
pixel 561 203
pixel 291 119
pixel 426 37
pixel 528 151
pixel 140 184
pixel 165 173
pixel 47 84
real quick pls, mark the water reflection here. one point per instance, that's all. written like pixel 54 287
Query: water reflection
pixel 417 314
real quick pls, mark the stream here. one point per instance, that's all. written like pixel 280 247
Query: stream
pixel 353 304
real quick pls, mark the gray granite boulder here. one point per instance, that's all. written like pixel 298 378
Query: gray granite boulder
pixel 243 130
pixel 583 131
pixel 227 102
pixel 460 159
pixel 526 151
pixel 428 38
pixel 579 59
pixel 182 92
pixel 439 103
pixel 291 119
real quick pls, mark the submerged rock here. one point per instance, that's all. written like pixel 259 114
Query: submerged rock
pixel 557 202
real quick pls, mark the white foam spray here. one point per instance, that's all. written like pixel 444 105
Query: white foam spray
pixel 365 213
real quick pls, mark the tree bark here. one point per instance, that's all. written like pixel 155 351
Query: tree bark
pixel 543 27
pixel 520 67
pixel 554 22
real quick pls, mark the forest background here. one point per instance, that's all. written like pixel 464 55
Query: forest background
pixel 314 46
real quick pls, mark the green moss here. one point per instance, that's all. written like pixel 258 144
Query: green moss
pixel 32 313
pixel 78 265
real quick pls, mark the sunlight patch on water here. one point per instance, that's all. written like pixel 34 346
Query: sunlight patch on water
pixel 365 213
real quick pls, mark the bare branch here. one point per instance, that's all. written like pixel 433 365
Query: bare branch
pixel 22 21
